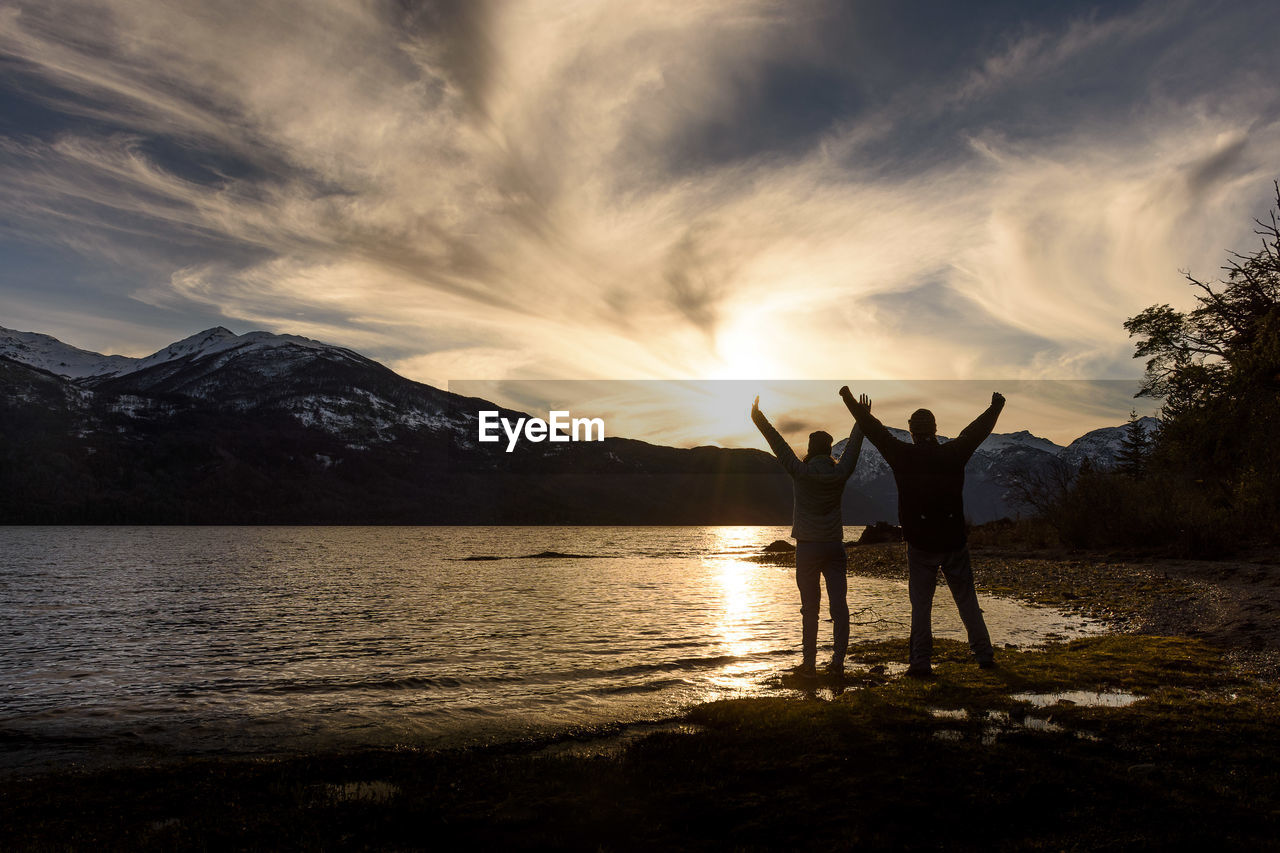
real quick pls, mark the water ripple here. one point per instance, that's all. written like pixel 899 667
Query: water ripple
pixel 250 639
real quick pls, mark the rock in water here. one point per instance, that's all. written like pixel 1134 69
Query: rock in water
pixel 881 531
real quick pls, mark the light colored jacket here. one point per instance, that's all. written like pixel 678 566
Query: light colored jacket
pixel 817 484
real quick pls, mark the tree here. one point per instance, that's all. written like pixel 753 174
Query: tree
pixel 1135 447
pixel 1041 487
pixel 1193 356
pixel 1217 369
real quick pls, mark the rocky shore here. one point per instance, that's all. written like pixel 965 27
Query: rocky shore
pixel 1232 603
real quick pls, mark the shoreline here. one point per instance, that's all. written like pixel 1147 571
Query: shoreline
pixel 1190 759
pixel 1232 602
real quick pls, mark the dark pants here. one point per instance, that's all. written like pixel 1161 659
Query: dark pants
pixel 829 560
pixel 923 567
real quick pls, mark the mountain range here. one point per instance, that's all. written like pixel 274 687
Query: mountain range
pixel 263 428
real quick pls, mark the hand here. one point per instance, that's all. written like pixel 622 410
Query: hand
pixel 997 399
pixel 755 407
pixel 863 403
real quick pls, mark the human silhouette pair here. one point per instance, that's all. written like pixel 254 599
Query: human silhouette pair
pixel 929 475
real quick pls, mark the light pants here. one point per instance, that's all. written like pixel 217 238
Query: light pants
pixel 923 567
pixel 828 560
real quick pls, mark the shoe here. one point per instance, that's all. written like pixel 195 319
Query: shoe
pixel 987 664
pixel 835 669
pixel 920 671
pixel 805 670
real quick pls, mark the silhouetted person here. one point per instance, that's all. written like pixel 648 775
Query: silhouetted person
pixel 818 528
pixel 930 478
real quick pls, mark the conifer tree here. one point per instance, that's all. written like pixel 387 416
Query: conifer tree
pixel 1135 447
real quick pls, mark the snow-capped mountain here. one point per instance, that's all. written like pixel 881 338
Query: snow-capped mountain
pixel 267 428
pixel 49 353
pixel 1022 439
pixel 320 385
pixel 1102 446
pixel 264 428
pixel 227 345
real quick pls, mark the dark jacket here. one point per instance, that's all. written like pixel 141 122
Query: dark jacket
pixel 817 484
pixel 930 478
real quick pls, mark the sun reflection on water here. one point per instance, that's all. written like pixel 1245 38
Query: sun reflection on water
pixel 741 611
pixel 734 540
pixel 249 639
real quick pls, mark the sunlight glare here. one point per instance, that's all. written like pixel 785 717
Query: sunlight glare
pixel 740 612
pixel 741 354
pixel 720 408
pixel 740 604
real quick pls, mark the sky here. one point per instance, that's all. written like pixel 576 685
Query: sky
pixel 678 191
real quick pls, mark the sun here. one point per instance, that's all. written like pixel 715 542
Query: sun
pixel 742 352
pixel 719 408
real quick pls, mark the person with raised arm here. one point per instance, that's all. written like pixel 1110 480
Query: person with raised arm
pixel 818 483
pixel 930 479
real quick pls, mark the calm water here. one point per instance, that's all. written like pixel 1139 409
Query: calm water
pixel 119 642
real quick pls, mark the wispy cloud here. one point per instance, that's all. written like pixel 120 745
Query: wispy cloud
pixel 547 189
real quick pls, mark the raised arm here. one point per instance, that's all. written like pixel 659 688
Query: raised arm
pixel 852 448
pixel 976 433
pixel 780 448
pixel 875 431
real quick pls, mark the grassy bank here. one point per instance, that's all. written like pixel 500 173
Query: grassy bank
pixel 971 759
pixel 889 763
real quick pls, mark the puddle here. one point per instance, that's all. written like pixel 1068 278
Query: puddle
pixel 993 724
pixel 1083 698
pixel 996 723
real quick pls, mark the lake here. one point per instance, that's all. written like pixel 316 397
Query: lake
pixel 126 643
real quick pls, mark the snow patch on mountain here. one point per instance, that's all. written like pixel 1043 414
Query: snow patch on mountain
pixel 48 353
pixel 45 352
pixel 202 343
pixel 227 345
pixel 331 414
pixel 1102 446
pixel 133 406
pixel 1022 439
